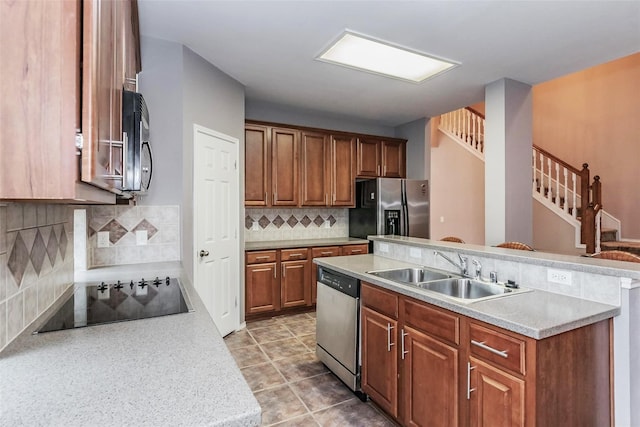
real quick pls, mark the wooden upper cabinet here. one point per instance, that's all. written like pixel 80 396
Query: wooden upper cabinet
pixel 314 169
pixel 284 166
pixel 38 159
pixel 257 157
pixel 381 158
pixel 343 151
pixel 369 159
pixel 393 159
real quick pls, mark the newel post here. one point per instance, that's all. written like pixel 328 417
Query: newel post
pixel 584 198
pixel 596 189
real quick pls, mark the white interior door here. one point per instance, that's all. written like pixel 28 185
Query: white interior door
pixel 216 213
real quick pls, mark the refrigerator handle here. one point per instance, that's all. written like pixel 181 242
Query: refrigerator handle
pixel 404 227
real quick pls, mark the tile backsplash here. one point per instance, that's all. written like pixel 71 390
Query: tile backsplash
pixel 36 262
pixel 288 224
pixel 157 226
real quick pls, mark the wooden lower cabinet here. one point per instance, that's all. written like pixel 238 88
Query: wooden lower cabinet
pixel 262 288
pixel 295 289
pixel 427 366
pixel 320 252
pixel 496 398
pixel 430 380
pixel 379 359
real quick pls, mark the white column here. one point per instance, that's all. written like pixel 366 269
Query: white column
pixel 508 130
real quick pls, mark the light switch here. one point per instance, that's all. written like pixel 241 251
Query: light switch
pixel 103 239
pixel 141 237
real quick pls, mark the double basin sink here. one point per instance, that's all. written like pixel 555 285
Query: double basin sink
pixel 448 284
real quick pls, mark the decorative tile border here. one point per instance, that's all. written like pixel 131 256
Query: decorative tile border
pixel 285 224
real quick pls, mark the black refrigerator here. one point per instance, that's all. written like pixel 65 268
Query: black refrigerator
pixel 390 206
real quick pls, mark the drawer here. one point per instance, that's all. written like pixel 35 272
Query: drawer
pixel 380 300
pixel 293 254
pixel 355 249
pixel 325 251
pixel 259 257
pixel 497 347
pixel 432 321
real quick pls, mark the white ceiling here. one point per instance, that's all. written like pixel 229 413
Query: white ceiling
pixel 270 46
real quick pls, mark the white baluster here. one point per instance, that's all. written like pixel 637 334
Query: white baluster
pixel 565 206
pixel 467 119
pixel 574 214
pixel 557 184
pixel 549 178
pixel 474 138
pixel 534 187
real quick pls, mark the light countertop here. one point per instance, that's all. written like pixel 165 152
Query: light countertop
pixel 165 371
pixel 536 314
pixel 303 243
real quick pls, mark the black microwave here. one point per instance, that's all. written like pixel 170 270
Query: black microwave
pixel 137 161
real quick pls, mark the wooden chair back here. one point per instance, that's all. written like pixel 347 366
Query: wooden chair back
pixel 617 255
pixel 452 239
pixel 515 245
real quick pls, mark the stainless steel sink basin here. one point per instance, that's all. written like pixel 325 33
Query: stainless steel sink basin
pixel 412 275
pixel 466 289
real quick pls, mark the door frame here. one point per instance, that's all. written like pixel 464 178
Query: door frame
pixel 240 264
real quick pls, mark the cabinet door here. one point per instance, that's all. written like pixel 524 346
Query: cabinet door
pixel 294 284
pixel 379 359
pixel 430 380
pixel 368 154
pixel 342 171
pixel 496 399
pixel 314 170
pixel 393 159
pixel 262 288
pixel 284 167
pixel 257 165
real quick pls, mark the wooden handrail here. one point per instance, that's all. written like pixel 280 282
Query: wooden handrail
pixel 559 161
pixel 476 112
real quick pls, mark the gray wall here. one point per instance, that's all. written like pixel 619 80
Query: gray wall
pixel 277 113
pixel 160 82
pixel 417 135
pixel 214 100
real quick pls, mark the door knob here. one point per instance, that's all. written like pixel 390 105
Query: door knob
pixel 204 253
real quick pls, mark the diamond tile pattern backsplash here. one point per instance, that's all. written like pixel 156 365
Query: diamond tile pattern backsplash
pixel 162 224
pixel 36 262
pixel 287 224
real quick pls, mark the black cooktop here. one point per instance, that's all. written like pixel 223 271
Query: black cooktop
pixel 96 304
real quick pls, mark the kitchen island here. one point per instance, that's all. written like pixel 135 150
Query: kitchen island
pixel 164 371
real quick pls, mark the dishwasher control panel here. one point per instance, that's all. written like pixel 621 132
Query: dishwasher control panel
pixel 341 282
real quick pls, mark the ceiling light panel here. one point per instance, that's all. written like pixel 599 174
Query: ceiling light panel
pixel 355 51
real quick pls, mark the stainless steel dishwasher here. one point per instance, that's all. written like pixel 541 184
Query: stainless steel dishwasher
pixel 338 326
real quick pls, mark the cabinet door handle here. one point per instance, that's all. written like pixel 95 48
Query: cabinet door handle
pixel 469 389
pixel 275 272
pixel 378 170
pixel 266 198
pixel 404 334
pixel 284 271
pixel 501 353
pixel 326 199
pixel 389 343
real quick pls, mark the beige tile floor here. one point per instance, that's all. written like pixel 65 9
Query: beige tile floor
pixel 277 358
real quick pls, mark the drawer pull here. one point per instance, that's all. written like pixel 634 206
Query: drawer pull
pixel 326 253
pixel 295 255
pixel 262 257
pixel 501 353
pixel 356 251
pixel 389 343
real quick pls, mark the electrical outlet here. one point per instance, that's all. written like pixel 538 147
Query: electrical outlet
pixel 141 237
pixel 415 253
pixel 103 239
pixel 383 247
pixel 327 224
pixel 254 226
pixel 561 277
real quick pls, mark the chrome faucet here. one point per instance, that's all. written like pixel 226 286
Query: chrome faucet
pixel 478 274
pixel 463 262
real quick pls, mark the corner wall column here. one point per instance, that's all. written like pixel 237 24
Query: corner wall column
pixel 508 132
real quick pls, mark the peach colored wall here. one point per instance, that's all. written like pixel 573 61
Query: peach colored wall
pixel 593 116
pixel 551 233
pixel 457 191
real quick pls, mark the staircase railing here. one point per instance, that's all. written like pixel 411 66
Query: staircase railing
pixel 467 125
pixel 561 184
